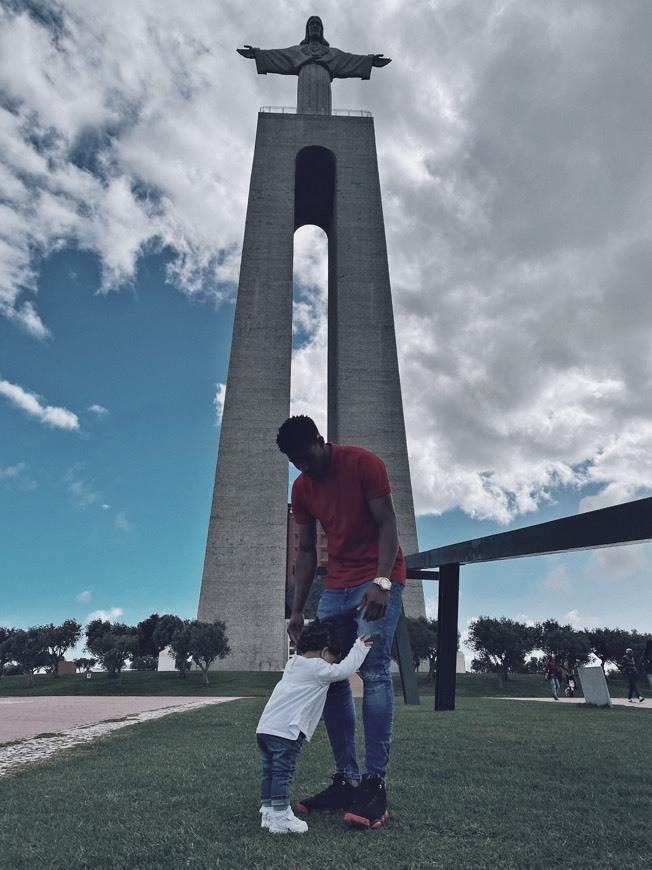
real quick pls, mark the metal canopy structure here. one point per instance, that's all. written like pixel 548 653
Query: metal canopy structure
pixel 627 523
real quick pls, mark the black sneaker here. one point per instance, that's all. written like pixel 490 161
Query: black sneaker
pixel 369 809
pixel 338 796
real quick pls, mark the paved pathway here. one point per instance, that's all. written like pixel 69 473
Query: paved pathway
pixel 33 729
pixel 617 702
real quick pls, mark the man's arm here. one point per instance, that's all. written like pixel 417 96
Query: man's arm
pixel 304 574
pixel 375 600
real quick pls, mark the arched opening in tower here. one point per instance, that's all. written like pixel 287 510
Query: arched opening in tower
pixel 314 198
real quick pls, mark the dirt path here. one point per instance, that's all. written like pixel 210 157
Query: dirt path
pixel 33 729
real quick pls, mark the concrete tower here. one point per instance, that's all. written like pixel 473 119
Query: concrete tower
pixel 311 167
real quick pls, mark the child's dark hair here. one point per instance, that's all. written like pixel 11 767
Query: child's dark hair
pixel 296 434
pixel 317 635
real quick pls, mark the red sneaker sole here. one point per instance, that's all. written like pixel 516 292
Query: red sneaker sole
pixel 366 824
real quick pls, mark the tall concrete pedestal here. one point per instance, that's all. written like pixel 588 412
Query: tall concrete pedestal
pixel 307 169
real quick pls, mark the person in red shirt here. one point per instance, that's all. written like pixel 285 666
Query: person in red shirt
pixel 347 489
pixel 553 675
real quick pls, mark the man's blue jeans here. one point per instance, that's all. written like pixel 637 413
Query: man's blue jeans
pixel 341 606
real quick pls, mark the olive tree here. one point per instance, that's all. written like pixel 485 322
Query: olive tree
pixel 203 641
pixel 59 639
pixel 502 644
pixel 29 649
pixel 111 644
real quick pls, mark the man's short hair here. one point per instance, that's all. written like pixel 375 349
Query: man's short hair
pixel 319 634
pixel 296 434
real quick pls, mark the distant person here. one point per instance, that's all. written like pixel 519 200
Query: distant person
pixel 628 669
pixel 569 678
pixel 646 661
pixel 553 673
pixel 347 489
pixel 292 714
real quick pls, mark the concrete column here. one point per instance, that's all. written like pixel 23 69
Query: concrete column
pixel 244 569
pixel 365 403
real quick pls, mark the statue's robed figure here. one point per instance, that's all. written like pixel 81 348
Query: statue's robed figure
pixel 316 64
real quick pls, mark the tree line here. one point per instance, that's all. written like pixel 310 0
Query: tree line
pixel 505 646
pixel 502 645
pixel 113 645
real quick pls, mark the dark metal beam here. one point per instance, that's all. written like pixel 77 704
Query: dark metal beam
pixel 406 662
pixel 419 574
pixel 449 593
pixel 622 524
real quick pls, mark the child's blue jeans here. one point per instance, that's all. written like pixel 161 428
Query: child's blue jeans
pixel 278 760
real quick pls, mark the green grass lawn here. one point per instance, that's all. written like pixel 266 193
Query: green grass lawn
pixel 229 683
pixel 491 785
pixel 222 684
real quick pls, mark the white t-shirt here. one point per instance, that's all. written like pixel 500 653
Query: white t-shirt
pixel 297 702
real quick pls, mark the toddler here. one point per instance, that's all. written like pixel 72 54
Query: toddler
pixel 292 714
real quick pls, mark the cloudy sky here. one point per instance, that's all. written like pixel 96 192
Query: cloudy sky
pixel 514 142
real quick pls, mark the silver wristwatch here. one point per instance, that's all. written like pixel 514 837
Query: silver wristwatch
pixel 384 582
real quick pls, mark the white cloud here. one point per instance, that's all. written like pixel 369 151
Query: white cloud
pixel 32 404
pixel 99 410
pixel 117 157
pixel 122 523
pixel 558 579
pixel 578 621
pixel 110 615
pixel 18 476
pixel 616 564
pixel 218 401
pixel 525 618
pixel 309 324
pixel 82 491
pixel 85 596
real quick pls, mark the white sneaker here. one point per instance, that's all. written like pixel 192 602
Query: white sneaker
pixel 287 824
pixel 265 818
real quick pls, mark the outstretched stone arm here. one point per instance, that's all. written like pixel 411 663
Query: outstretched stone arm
pixel 378 60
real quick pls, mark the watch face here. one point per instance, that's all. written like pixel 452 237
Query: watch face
pixel 384 583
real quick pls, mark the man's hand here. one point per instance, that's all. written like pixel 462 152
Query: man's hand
pixel 374 602
pixel 380 60
pixel 295 625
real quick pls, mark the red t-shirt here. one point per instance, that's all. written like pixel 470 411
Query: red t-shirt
pixel 339 501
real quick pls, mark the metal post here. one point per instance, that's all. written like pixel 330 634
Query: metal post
pixel 449 592
pixel 406 662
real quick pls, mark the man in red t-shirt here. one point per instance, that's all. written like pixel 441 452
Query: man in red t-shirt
pixel 348 491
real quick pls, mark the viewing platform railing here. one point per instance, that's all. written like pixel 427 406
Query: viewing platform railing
pixel 292 110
